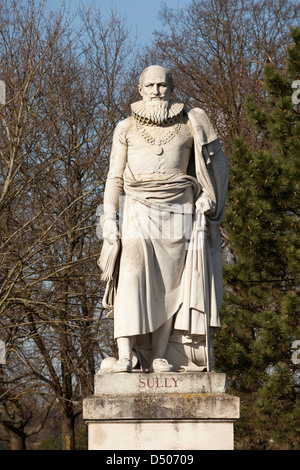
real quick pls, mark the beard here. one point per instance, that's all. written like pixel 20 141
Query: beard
pixel 157 111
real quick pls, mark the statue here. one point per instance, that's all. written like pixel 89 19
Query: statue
pixel 162 261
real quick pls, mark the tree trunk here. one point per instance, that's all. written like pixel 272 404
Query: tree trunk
pixel 16 437
pixel 17 441
pixel 68 431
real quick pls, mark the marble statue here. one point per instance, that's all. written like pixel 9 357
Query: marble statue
pixel 164 201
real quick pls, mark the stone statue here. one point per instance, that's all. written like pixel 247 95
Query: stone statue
pixel 164 200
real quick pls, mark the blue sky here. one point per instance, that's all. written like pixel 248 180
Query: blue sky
pixel 141 14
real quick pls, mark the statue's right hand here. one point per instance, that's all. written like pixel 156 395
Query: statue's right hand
pixel 110 231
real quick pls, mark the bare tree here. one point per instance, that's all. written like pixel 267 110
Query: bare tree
pixel 63 99
pixel 218 49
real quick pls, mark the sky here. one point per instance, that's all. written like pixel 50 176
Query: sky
pixel 142 15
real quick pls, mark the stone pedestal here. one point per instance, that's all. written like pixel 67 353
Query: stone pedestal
pixel 166 411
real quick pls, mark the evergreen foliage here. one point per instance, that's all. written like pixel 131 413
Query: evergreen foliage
pixel 261 303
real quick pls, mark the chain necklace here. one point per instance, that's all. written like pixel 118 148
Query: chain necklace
pixel 158 141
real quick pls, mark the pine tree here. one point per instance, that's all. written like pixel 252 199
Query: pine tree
pixel 261 307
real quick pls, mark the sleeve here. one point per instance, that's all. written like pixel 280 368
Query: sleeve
pixel 212 169
pixel 114 184
pixel 218 171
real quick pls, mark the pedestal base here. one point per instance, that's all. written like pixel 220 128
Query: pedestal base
pixel 183 411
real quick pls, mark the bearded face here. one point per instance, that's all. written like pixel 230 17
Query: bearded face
pixel 156 89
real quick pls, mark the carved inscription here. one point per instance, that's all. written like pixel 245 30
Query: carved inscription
pixel 158 382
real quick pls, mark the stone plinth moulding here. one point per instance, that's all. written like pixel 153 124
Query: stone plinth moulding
pixel 166 411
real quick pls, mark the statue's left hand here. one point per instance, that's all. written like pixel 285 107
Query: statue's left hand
pixel 205 205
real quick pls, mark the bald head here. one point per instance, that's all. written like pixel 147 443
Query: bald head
pixel 157 71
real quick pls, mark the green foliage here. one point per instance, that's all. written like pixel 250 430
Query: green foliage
pixel 277 409
pixel 261 304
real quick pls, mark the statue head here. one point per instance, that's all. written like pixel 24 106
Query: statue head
pixel 156 84
pixel 156 87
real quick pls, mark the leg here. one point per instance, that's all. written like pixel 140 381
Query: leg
pixel 160 339
pixel 124 363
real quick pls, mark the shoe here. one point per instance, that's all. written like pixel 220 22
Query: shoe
pixel 123 365
pixel 161 365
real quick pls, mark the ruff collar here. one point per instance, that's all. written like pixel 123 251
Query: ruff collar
pixel 174 112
